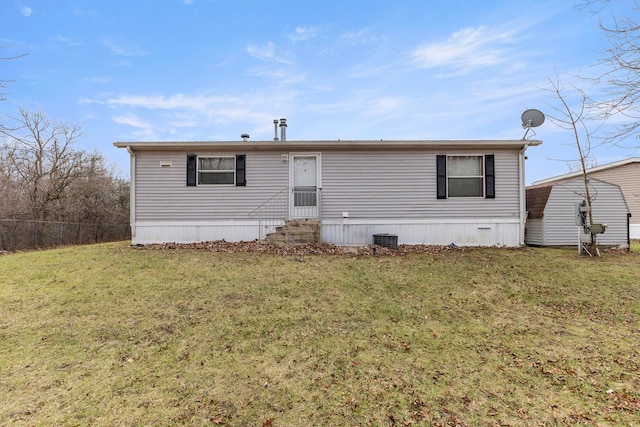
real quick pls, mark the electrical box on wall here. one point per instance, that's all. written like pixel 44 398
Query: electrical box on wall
pixel 284 157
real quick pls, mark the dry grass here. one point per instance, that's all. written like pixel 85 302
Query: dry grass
pixel 109 335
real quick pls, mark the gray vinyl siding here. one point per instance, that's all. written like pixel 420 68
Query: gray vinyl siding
pixel 162 194
pixel 608 208
pixel 628 178
pixel 388 185
pixel 381 184
pixel 534 232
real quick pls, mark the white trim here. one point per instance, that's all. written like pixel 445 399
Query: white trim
pixel 291 145
pixel 182 223
pixel 463 232
pixel 375 221
pixel 344 232
pixel 348 220
pixel 195 231
pixel 523 194
pixel 132 192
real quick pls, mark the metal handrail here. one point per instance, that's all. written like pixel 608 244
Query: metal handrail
pixel 272 213
pixel 264 204
pixel 275 211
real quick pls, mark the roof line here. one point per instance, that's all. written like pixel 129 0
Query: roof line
pixel 589 170
pixel 323 143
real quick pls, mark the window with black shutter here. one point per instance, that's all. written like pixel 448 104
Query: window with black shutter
pixel 466 176
pixel 241 179
pixel 192 161
pixel 489 177
pixel 229 170
pixel 441 162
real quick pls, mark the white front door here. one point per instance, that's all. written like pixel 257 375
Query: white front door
pixel 304 180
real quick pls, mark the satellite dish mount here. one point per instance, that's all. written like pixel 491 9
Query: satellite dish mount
pixel 531 119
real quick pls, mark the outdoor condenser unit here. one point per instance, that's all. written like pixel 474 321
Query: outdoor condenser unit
pixel 386 240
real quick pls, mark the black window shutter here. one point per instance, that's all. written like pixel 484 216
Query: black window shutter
pixel 441 161
pixel 192 173
pixel 241 166
pixel 489 176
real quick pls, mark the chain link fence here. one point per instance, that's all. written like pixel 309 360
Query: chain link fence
pixel 19 234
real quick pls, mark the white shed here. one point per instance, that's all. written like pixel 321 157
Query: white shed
pixel 551 211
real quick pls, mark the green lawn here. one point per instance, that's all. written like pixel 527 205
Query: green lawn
pixel 109 335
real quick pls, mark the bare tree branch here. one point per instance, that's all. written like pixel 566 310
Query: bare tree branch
pixel 574 121
pixel 621 81
pixel 4 83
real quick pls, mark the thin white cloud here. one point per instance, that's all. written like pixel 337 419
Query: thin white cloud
pixel 132 120
pixel 189 2
pixel 362 103
pixel 99 79
pixel 26 11
pixel 182 111
pixel 363 36
pixel 303 33
pixel 120 50
pixel 67 41
pixel 282 75
pixel 267 53
pixel 466 50
pixel 160 102
pixel 80 12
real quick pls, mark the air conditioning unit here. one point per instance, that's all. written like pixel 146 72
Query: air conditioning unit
pixel 386 240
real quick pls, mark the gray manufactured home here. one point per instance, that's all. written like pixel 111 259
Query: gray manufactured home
pixel 552 219
pixel 466 192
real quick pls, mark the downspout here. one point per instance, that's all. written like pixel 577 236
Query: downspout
pixel 523 200
pixel 132 195
pixel 628 232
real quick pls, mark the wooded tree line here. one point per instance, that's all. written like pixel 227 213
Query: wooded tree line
pixel 52 192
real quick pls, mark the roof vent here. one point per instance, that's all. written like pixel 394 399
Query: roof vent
pixel 283 129
pixel 244 136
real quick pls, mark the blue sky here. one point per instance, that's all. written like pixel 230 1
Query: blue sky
pixel 156 70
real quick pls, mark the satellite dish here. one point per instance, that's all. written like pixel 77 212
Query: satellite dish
pixel 531 119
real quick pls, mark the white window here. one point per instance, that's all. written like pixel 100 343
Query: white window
pixel 216 170
pixel 465 176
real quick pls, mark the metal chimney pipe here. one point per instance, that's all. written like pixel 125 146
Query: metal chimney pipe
pixel 275 129
pixel 283 129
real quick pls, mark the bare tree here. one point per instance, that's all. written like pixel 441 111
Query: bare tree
pixel 52 193
pixel 621 80
pixel 573 120
pixel 42 157
pixel 96 197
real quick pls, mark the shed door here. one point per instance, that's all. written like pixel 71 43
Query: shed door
pixel 304 185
